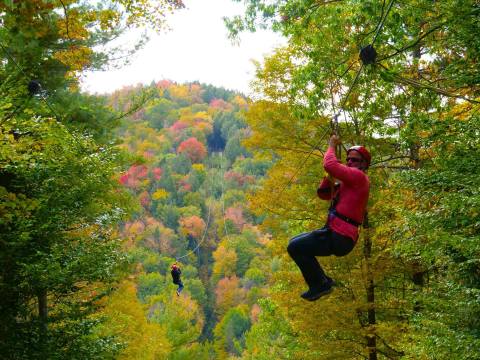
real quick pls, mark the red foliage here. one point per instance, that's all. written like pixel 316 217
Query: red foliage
pixel 220 104
pixel 235 214
pixel 184 186
pixel 132 177
pixel 123 179
pixel 163 84
pixel 178 126
pixel 239 178
pixel 141 171
pixel 193 148
pixel 144 199
pixel 157 173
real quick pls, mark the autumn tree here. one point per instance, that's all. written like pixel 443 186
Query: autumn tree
pixel 396 106
pixel 194 149
pixel 139 338
pixel 59 197
pixel 181 316
pixel 193 226
pixel 230 332
pixel 228 294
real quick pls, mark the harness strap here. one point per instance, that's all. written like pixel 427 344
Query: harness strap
pixel 334 212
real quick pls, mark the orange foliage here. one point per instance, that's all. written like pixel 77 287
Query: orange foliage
pixel 235 214
pixel 225 262
pixel 255 312
pixel 228 294
pixel 192 225
pixel 163 84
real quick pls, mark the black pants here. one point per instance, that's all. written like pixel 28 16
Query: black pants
pixel 180 285
pixel 322 242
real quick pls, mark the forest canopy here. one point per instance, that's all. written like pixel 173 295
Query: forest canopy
pixel 101 194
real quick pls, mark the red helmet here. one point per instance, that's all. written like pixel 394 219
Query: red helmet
pixel 362 150
pixel 174 266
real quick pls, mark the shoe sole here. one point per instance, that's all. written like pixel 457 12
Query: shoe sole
pixel 318 296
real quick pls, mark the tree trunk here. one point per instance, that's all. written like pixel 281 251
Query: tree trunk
pixel 371 337
pixel 43 315
pixel 418 273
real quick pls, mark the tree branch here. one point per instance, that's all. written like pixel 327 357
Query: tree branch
pixel 65 11
pixel 415 43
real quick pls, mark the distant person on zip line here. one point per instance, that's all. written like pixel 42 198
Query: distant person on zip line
pixel 349 196
pixel 176 277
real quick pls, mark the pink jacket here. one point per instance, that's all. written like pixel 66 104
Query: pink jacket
pixel 353 194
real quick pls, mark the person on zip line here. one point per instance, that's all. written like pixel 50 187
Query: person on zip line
pixel 176 272
pixel 348 196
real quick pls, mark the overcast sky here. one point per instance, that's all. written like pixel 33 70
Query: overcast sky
pixel 196 48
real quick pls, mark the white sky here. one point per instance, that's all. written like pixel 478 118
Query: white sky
pixel 196 48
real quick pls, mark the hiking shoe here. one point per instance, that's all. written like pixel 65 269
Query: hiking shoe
pixel 330 281
pixel 316 293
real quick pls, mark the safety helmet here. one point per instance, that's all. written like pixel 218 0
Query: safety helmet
pixel 174 266
pixel 362 150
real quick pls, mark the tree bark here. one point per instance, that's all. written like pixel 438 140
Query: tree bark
pixel 371 337
pixel 43 315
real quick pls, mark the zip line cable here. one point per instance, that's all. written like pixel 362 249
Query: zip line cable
pixel 382 21
pixel 297 170
pixel 34 87
pixel 367 56
pixel 205 231
pixel 223 196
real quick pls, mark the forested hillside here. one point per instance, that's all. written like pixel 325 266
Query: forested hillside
pixel 191 176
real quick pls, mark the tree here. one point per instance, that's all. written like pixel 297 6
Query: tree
pixel 140 338
pixel 150 285
pixel 271 336
pixel 228 294
pixel 60 203
pixel 416 80
pixel 230 332
pixel 194 149
pixel 192 225
pixel 60 198
pixel 181 317
pixel 225 262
